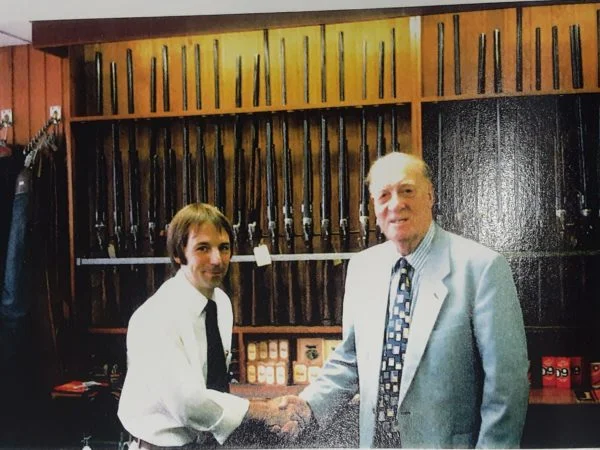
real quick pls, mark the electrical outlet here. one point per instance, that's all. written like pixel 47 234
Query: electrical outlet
pixel 6 117
pixel 55 112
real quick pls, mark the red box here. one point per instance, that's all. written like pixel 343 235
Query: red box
pixel 595 374
pixel 576 372
pixel 548 377
pixel 562 369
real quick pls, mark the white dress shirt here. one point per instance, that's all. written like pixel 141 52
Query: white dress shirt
pixel 165 400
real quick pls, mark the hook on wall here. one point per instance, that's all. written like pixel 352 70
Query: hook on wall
pixel 6 118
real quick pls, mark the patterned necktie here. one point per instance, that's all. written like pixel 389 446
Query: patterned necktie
pixel 216 369
pixel 392 360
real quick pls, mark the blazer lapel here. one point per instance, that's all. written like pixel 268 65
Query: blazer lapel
pixel 431 296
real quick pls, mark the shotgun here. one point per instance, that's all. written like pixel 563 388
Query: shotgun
pixel 341 76
pixel 497 62
pixel 165 67
pixel 267 68
pixel 216 72
pixel 363 207
pixel 130 91
pixel 381 68
pixel 325 210
pixel 307 220
pixel 201 166
pixel 238 278
pixel 272 218
pixel 440 59
pixel 538 59
pixel 519 45
pixel 380 152
pixel 393 62
pixel 457 74
pixel 305 71
pixel 254 229
pixel 481 65
pixel 198 71
pixel 323 66
pixel 186 165
pixel 288 220
pixel 555 59
pixel 99 88
pixel 219 168
pixel 184 96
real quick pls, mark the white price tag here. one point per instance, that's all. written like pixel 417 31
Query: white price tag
pixel 262 255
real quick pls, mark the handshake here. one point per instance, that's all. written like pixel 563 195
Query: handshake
pixel 285 417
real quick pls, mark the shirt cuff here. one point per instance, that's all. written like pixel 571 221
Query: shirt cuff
pixel 234 410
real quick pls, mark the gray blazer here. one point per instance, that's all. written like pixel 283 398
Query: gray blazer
pixel 464 382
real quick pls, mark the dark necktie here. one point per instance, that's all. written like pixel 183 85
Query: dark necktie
pixel 392 360
pixel 216 369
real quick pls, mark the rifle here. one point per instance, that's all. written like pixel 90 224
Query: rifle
pixel 344 212
pixel 267 68
pixel 256 81
pixel 380 152
pixel 288 219
pixel 519 45
pixel 343 194
pixel 393 62
pixel 153 192
pixel 559 176
pixel 341 77
pixel 201 166
pixel 305 71
pixel 325 210
pixel 134 191
pixel 481 65
pixel 307 220
pixel 497 62
pixel 100 195
pixel 364 71
pixel 323 66
pixel 168 181
pixel 457 79
pixel 186 165
pixel 395 146
pixel 216 71
pixel 272 216
pixel 153 84
pixel 219 168
pixel 283 72
pixel 165 67
pixel 440 60
pixel 184 99
pixel 239 205
pixel 585 208
pixel 363 207
pixel 117 166
pixel 130 99
pixel 198 71
pixel 538 58
pixel 117 185
pixel 254 231
pixel 555 61
pixel 381 68
pixel 238 82
pixel 439 217
pixel 99 90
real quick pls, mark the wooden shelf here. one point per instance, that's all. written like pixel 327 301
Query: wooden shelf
pixel 168 115
pixel 263 391
pixel 288 329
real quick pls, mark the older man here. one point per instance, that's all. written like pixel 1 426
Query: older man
pixel 433 335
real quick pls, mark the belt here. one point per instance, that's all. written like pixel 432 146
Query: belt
pixel 204 440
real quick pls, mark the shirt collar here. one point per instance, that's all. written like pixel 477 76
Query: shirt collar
pixel 191 298
pixel 418 257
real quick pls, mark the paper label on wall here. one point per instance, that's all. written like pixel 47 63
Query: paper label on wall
pixel 262 255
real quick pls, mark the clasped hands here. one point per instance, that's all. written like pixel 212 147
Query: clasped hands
pixel 287 416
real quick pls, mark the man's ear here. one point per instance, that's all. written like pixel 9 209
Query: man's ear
pixel 177 260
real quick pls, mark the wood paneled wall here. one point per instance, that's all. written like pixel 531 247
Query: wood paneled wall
pixel 31 82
